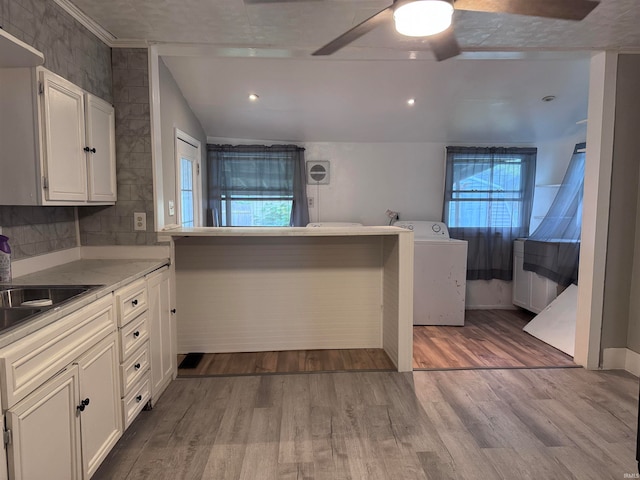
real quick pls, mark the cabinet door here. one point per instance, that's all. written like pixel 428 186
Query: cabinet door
pixel 101 418
pixel 101 162
pixel 46 431
pixel 3 453
pixel 64 158
pixel 543 292
pixel 161 332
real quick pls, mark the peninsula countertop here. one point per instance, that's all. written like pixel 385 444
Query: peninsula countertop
pixel 109 274
pixel 285 231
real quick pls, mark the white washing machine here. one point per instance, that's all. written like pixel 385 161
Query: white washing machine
pixel 439 274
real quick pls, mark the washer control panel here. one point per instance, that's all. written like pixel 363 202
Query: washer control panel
pixel 425 230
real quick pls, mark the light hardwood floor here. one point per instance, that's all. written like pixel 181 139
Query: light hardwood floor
pixel 476 424
pixel 289 361
pixel 489 339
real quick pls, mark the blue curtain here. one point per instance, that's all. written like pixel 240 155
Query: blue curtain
pixel 255 173
pixel 553 250
pixel 487 202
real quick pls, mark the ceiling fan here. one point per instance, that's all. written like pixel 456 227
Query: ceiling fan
pixel 432 19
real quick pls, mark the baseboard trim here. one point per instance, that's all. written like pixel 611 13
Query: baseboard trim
pixel 500 306
pixel 621 359
pixel 29 265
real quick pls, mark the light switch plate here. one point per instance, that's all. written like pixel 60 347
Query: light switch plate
pixel 172 208
pixel 139 221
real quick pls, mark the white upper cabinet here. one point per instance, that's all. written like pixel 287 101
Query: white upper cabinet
pixel 101 149
pixel 58 141
pixel 63 122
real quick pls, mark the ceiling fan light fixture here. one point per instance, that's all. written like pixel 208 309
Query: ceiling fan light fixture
pixel 423 17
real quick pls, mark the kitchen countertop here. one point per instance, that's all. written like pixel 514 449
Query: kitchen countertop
pixel 285 231
pixel 113 274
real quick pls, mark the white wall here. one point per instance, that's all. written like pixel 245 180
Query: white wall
pixel 175 113
pixel 369 178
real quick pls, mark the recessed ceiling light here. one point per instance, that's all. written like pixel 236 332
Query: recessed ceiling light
pixel 548 98
pixel 253 97
pixel 411 101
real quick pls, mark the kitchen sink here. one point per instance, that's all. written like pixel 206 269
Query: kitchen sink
pixel 19 303
pixel 10 317
pixel 40 295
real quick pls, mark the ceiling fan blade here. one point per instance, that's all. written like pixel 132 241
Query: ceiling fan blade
pixel 444 45
pixel 356 32
pixel 562 9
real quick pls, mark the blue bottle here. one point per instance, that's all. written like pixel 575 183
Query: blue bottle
pixel 5 259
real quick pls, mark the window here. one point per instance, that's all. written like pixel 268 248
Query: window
pixel 487 202
pixel 486 192
pixel 257 186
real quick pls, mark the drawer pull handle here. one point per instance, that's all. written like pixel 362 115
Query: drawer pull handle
pixel 139 398
pixel 136 334
pixel 134 302
pixel 137 366
pixel 83 404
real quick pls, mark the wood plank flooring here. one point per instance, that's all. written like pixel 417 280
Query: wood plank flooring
pixel 489 339
pixel 291 361
pixel 543 424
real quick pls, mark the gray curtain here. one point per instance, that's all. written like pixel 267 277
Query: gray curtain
pixel 553 250
pixel 255 172
pixel 487 202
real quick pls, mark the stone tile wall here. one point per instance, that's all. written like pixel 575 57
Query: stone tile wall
pixel 37 230
pixel 73 52
pixel 114 225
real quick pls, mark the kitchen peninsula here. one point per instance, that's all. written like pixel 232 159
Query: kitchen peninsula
pixel 262 289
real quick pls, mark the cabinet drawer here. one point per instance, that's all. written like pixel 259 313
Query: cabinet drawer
pixel 132 301
pixel 134 368
pixel 135 401
pixel 29 362
pixel 133 335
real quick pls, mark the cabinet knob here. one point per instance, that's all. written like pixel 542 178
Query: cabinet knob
pixel 87 149
pixel 136 334
pixel 134 302
pixel 137 366
pixel 83 404
pixel 173 310
pixel 139 398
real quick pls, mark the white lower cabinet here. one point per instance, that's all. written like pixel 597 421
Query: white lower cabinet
pixel 100 420
pixel 45 430
pixel 531 291
pixel 163 356
pixel 133 322
pixel 63 425
pixel 70 389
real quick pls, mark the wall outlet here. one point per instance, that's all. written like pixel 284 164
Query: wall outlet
pixel 172 208
pixel 310 202
pixel 139 221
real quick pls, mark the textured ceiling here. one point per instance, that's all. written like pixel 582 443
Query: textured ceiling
pixel 307 25
pixel 359 93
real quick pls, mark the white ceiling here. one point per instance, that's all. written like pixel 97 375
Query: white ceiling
pixel 479 101
pixel 359 93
